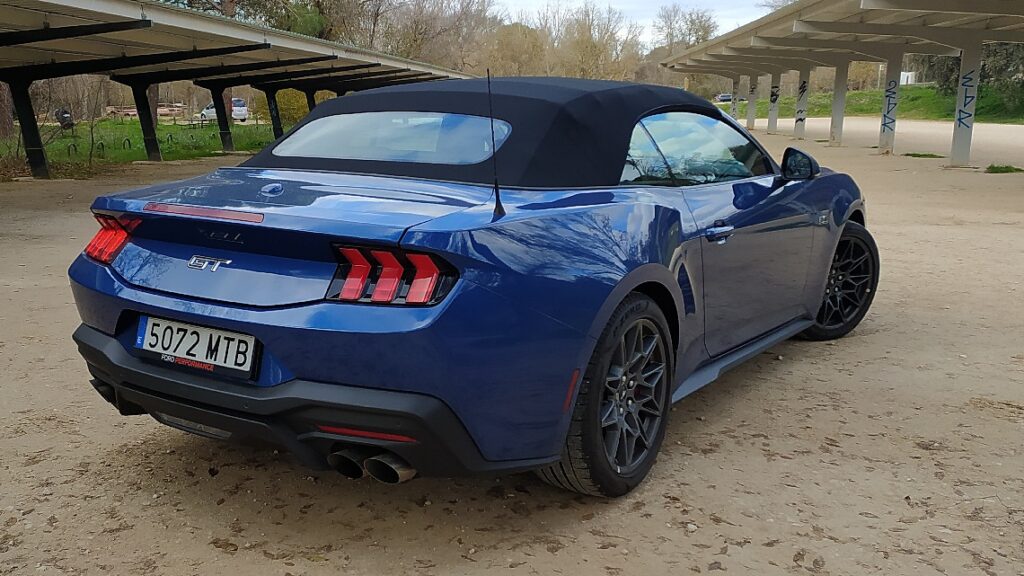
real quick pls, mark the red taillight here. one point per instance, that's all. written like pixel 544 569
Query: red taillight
pixel 111 238
pixel 390 275
pixel 385 276
pixel 421 289
pixel 358 274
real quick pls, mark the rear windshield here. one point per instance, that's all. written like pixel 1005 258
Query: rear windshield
pixel 419 137
pixel 237 102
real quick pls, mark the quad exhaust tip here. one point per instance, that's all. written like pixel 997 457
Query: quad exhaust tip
pixel 389 469
pixel 357 461
pixel 349 462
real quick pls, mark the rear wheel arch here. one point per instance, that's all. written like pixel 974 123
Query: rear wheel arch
pixel 857 216
pixel 663 298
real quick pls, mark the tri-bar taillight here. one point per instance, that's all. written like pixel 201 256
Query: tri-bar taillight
pixel 112 237
pixel 389 276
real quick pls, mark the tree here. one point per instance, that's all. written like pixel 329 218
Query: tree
pixel 6 112
pixel 774 5
pixel 677 27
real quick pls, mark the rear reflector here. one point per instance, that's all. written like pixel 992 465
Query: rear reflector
pixel 218 213
pixel 386 276
pixel 343 431
pixel 111 238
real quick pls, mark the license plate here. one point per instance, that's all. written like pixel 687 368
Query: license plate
pixel 198 347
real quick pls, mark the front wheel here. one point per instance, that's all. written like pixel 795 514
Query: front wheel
pixel 850 289
pixel 622 408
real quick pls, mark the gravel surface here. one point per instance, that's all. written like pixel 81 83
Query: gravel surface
pixel 894 451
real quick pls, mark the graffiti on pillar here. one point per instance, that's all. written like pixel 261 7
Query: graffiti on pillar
pixel 964 116
pixel 801 113
pixel 775 95
pixel 891 101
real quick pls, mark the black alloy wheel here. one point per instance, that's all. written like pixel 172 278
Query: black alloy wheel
pixel 632 406
pixel 850 287
pixel 622 407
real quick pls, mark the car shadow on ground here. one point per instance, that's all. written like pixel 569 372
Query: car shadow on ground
pixel 251 497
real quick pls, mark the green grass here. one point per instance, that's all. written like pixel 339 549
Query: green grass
pixel 923 155
pixel 916 103
pixel 1002 169
pixel 120 142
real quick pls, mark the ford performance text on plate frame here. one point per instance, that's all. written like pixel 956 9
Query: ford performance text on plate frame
pixel 364 294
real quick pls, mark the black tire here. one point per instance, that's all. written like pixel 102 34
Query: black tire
pixel 619 388
pixel 851 285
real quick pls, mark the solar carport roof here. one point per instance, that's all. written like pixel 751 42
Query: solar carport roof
pixel 141 43
pixel 831 33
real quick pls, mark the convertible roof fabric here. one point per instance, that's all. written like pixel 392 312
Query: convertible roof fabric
pixel 565 132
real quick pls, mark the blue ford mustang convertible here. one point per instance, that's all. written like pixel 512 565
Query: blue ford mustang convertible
pixel 456 277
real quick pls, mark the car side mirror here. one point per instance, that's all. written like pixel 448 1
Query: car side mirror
pixel 798 165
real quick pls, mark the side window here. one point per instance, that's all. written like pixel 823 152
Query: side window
pixel 703 150
pixel 644 164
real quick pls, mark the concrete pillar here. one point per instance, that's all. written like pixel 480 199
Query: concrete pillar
pixel 34 151
pixel 890 104
pixel 733 104
pixel 966 100
pixel 773 103
pixel 223 118
pixel 800 126
pixel 752 103
pixel 835 132
pixel 275 113
pixel 143 107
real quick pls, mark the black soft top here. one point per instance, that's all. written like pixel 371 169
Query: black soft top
pixel 565 132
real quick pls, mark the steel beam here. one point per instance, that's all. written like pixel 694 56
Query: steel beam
pixel 984 7
pixel 310 99
pixel 142 105
pixel 274 76
pixel 161 76
pixel 948 36
pixel 368 84
pixel 831 59
pixel 35 153
pixel 62 32
pixel 879 50
pixel 223 118
pixel 784 63
pixel 58 69
pixel 275 113
pixel 321 81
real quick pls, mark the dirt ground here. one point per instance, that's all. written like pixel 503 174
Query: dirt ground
pixel 897 450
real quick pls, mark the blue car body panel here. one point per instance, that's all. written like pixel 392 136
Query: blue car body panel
pixel 536 286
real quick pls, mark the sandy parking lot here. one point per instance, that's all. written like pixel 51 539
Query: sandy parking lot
pixel 895 451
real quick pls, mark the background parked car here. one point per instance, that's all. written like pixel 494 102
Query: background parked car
pixel 239 111
pixel 724 98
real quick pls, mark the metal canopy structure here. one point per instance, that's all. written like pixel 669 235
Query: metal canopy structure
pixel 833 33
pixel 141 43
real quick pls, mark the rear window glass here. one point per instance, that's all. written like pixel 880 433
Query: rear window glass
pixel 420 137
pixel 237 102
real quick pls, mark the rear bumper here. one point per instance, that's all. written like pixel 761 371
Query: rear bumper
pixel 288 414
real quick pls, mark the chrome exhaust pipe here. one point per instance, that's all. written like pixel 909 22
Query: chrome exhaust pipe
pixel 349 462
pixel 389 469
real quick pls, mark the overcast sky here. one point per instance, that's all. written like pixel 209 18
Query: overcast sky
pixel 730 13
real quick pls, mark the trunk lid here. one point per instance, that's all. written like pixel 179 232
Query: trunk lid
pixel 287 257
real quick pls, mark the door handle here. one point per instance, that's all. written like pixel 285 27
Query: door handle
pixel 719 234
